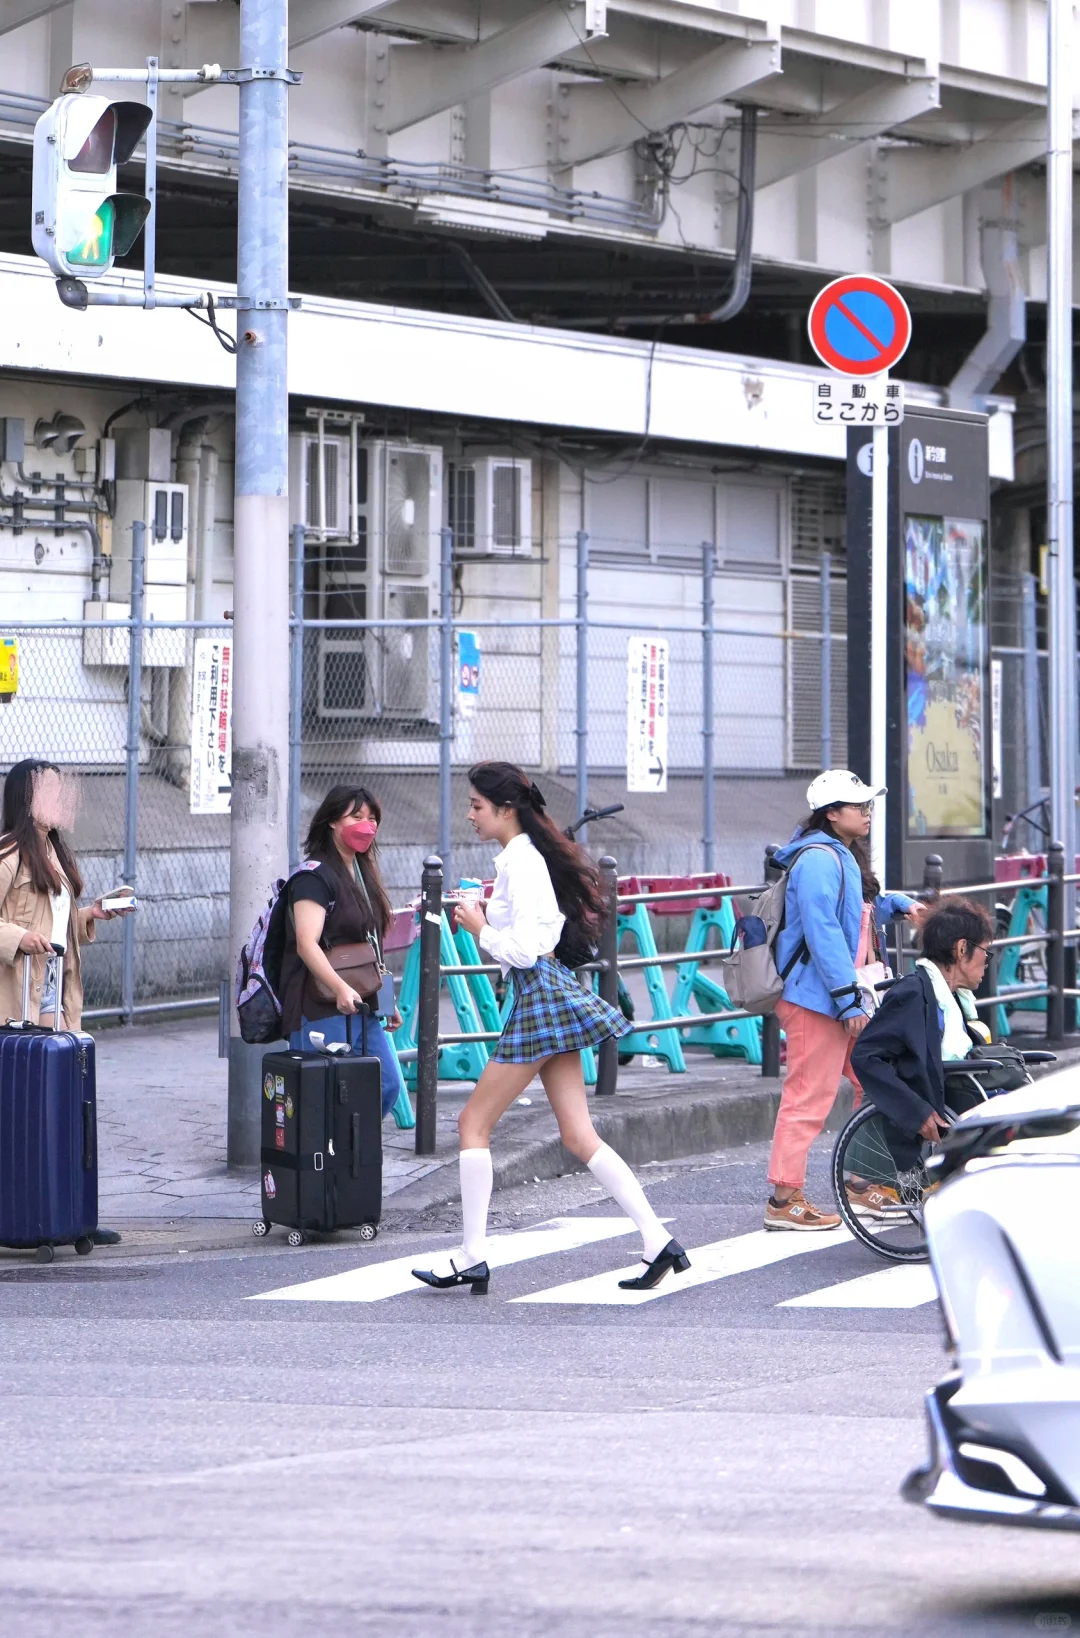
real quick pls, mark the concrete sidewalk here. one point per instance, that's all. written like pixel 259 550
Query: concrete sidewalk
pixel 162 1094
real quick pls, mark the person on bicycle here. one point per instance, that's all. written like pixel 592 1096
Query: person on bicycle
pixel 926 1020
pixel 834 902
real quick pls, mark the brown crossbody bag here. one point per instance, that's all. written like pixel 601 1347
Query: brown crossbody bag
pixel 358 965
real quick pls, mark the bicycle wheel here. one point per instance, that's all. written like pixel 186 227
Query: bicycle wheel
pixel 881 1208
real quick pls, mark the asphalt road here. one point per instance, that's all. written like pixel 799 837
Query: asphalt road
pixel 184 1455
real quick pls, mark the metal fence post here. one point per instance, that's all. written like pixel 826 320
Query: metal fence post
pixel 427 1034
pixel 1055 949
pixel 770 1023
pixel 296 694
pixel 708 713
pixel 607 1058
pixel 131 773
pixel 446 693
pixel 933 874
pixel 581 729
pixel 826 660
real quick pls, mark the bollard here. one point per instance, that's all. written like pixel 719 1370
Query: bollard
pixel 427 1036
pixel 933 874
pixel 1055 949
pixel 607 1057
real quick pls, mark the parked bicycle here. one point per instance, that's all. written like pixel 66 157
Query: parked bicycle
pixel 625 1002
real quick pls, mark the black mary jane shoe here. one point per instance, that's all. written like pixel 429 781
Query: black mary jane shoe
pixel 672 1260
pixel 477 1277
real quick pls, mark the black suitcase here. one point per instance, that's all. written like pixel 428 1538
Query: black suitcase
pixel 321 1143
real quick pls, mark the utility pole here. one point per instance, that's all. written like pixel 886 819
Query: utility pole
pixel 258 829
pixel 1059 431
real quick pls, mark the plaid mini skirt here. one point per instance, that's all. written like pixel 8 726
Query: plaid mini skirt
pixel 553 1013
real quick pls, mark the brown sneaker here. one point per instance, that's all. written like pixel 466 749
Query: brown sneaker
pixel 874 1200
pixel 798 1213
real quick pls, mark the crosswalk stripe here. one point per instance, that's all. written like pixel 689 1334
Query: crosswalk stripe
pixel 715 1261
pixel 905 1285
pixel 376 1281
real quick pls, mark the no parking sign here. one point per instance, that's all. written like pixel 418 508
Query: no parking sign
pixel 859 325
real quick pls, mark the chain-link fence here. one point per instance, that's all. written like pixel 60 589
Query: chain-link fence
pixel 375 703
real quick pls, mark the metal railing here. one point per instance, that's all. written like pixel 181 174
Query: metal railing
pixel 1058 942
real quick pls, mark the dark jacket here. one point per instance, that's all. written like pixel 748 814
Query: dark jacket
pixel 898 1055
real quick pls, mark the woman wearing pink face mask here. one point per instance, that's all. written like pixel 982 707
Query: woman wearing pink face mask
pixel 340 901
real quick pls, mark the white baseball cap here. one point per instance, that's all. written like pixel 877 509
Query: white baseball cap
pixel 839 785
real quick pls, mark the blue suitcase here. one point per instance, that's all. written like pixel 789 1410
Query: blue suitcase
pixel 48 1137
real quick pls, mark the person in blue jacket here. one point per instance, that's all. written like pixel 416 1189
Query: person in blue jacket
pixel 833 910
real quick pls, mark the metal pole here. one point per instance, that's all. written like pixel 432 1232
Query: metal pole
pixel 1033 784
pixel 1055 949
pixel 427 1026
pixel 134 743
pixel 1059 431
pixel 708 708
pixel 296 695
pixel 933 874
pixel 446 688
pixel 581 730
pixel 770 1023
pixel 826 660
pixel 607 1057
pixel 258 830
pixel 879 635
pixel 150 186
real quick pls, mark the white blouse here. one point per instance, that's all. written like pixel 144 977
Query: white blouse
pixel 524 921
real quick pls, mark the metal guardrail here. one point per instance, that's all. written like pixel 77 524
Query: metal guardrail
pixel 1057 940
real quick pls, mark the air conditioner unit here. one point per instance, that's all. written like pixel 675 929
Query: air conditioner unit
pixel 491 506
pixel 389 571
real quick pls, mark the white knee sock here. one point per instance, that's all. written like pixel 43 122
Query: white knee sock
pixel 475 1169
pixel 619 1181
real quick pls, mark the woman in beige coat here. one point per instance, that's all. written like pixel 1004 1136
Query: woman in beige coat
pixel 40 885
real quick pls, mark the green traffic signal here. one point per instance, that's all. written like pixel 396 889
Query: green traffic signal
pixel 95 249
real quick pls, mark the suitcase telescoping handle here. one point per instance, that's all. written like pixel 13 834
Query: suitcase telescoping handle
pixel 27 973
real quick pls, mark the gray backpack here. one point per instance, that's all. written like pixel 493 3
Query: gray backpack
pixel 751 976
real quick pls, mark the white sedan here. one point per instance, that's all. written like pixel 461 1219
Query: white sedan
pixel 1001 1226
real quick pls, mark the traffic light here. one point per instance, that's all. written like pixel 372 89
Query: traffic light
pixel 81 224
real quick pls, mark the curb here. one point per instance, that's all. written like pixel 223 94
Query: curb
pixel 642 1131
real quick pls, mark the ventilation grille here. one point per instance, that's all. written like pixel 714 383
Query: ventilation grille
pixel 804 673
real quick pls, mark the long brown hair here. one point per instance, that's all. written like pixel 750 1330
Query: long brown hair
pixel 320 845
pixel 21 835
pixel 860 847
pixel 574 876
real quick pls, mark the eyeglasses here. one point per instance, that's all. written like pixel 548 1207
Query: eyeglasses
pixel 863 807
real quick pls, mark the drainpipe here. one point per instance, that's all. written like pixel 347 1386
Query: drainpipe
pixel 204 569
pixel 188 456
pixel 1006 318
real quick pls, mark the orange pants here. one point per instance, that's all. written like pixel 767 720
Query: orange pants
pixel 818 1056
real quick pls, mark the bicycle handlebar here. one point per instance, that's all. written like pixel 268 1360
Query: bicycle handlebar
pixel 590 814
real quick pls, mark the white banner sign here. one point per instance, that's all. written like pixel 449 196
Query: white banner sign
pixel 211 725
pixel 647 680
pixel 874 401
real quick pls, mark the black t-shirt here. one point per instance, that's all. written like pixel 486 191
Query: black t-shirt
pixel 348 921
